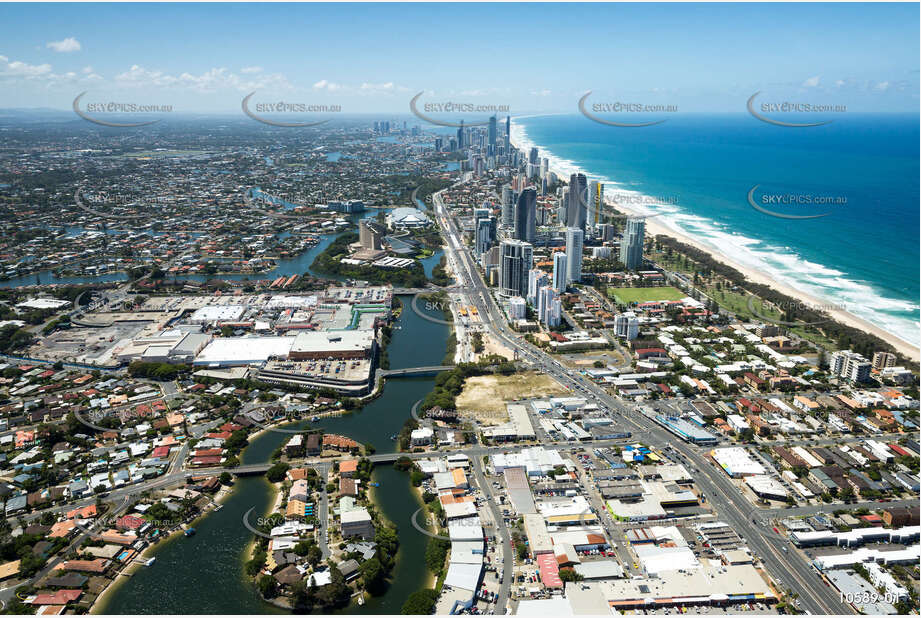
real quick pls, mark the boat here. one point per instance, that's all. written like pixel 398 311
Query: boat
pixel 314 419
pixel 361 598
pixel 149 561
pixel 393 437
pixel 190 532
pixel 374 484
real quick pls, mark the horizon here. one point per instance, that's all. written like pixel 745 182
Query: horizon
pixel 697 57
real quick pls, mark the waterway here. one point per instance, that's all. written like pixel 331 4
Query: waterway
pixel 203 574
pixel 284 267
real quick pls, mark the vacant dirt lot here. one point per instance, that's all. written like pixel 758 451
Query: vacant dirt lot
pixel 484 397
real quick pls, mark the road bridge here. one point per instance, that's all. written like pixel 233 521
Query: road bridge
pixel 415 371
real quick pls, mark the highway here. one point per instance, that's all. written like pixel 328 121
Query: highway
pixel 786 567
pixel 503 539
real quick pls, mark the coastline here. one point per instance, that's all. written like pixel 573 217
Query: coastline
pixel 907 349
pixel 756 276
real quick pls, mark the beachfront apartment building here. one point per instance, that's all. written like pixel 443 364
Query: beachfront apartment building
pixel 850 366
pixel 631 245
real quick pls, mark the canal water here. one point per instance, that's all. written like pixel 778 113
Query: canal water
pixel 284 267
pixel 203 574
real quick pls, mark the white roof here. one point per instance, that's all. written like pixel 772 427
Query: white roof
pixel 600 569
pixel 459 509
pixel 44 303
pixel 467 552
pixel 214 313
pixel 444 480
pixel 554 606
pixel 466 529
pixel 656 559
pixel 737 461
pixel 763 484
pixel 244 350
pixel 357 515
pixel 335 341
pixel 463 575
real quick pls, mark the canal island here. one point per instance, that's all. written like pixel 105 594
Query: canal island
pixel 376 369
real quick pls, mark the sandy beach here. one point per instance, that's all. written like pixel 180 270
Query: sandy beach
pixel 655 227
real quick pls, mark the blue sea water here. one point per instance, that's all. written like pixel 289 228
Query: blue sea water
pixel 863 257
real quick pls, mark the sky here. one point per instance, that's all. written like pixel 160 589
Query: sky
pixel 529 58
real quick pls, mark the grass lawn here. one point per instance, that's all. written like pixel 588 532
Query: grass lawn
pixel 625 296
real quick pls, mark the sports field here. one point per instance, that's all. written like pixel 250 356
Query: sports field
pixel 625 296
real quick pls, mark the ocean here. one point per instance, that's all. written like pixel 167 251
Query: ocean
pixel 697 171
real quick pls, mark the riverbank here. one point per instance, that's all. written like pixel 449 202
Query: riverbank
pixel 97 607
pixel 205 574
pixel 655 226
pixel 417 492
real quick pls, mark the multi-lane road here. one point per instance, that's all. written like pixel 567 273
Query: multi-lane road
pixel 503 539
pixel 785 565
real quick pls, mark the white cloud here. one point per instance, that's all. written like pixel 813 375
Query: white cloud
pixel 540 93
pixel 65 46
pixel 812 82
pixel 882 86
pixel 369 88
pixel 327 85
pixel 213 80
pixel 250 70
pixel 16 68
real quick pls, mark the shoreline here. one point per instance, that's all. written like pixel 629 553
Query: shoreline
pixel 907 349
pixel 148 552
pixel 432 580
pixel 756 276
